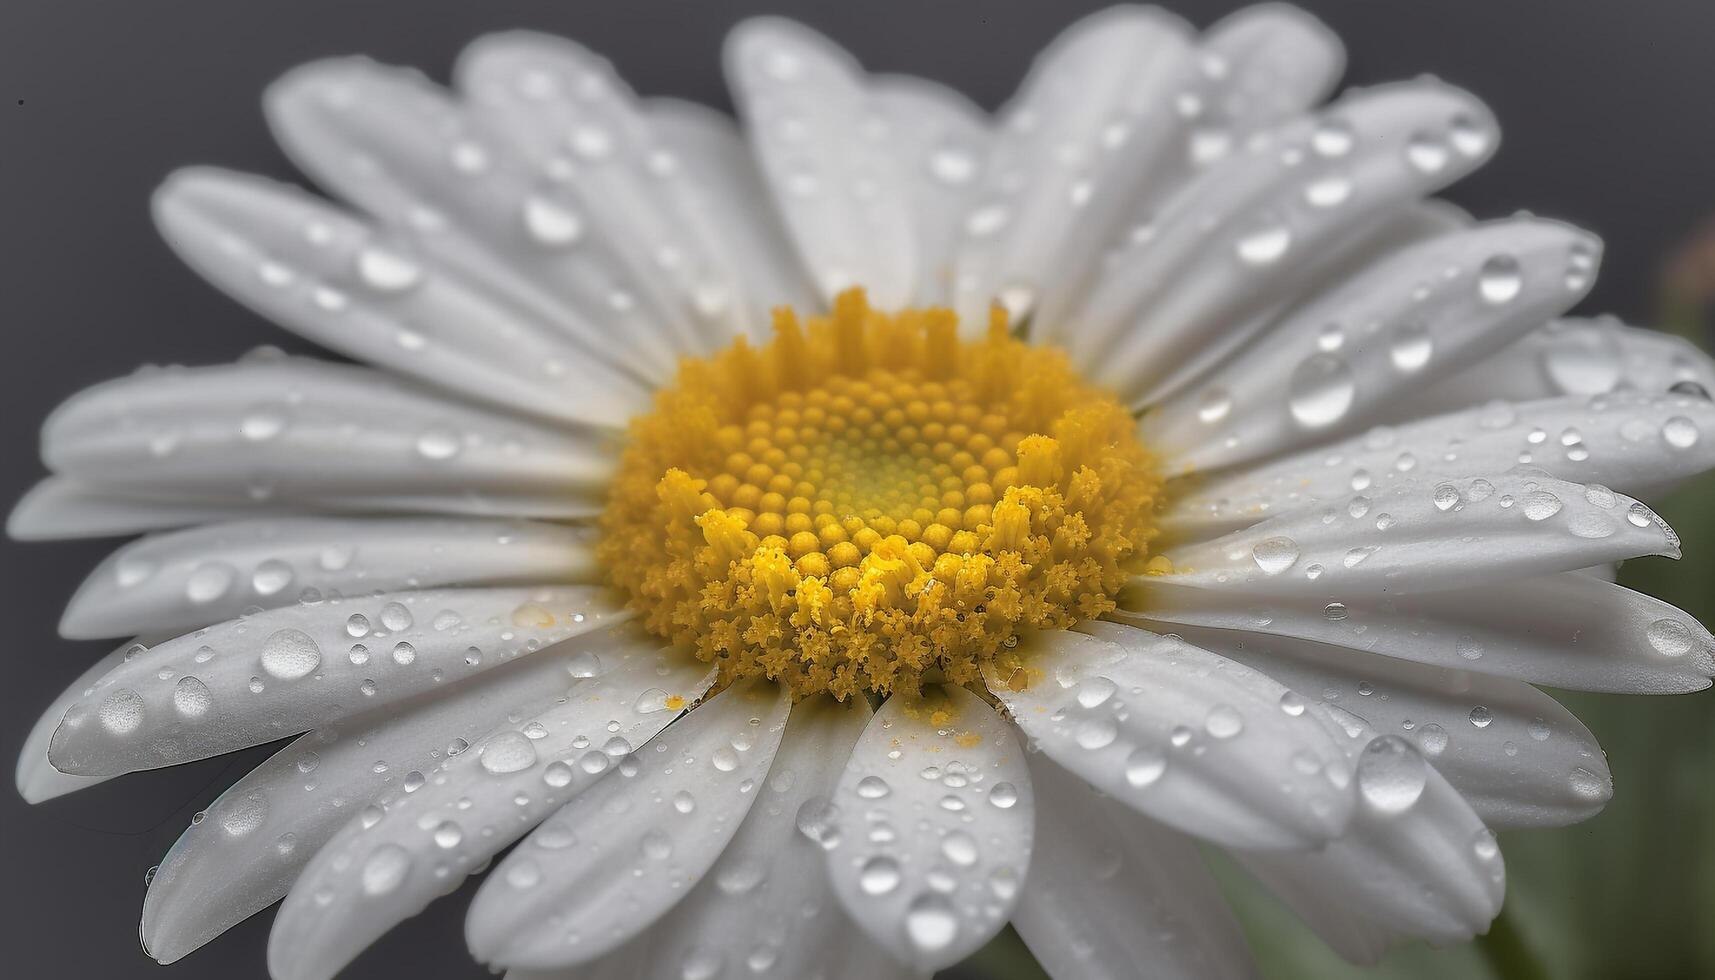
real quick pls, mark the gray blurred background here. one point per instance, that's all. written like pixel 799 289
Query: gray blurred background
pixel 1606 109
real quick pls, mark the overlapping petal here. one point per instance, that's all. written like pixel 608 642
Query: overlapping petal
pixel 1184 736
pixel 934 824
pixel 285 671
pixel 375 873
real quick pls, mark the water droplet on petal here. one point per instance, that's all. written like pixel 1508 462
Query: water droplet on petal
pixel 1391 774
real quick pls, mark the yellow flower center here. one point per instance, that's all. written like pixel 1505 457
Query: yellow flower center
pixel 867 500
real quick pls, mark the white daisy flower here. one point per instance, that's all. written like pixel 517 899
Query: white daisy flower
pixel 821 543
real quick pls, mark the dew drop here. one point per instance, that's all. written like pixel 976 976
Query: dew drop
pixel 1321 390
pixel 551 224
pixel 386 271
pixel 289 654
pixel 1275 555
pixel 1669 637
pixel 879 875
pixel 191 698
pixel 508 752
pixel 1499 280
pixel 1391 774
pixel 1145 766
pixel 930 923
pixel 385 870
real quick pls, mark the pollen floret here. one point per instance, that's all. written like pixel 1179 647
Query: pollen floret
pixel 868 499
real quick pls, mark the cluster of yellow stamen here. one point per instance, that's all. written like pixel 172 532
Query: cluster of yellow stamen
pixel 867 500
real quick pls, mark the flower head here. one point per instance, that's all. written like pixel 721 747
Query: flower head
pixel 824 543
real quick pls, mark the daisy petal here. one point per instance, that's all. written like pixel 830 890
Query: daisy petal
pixel 298 431
pixel 58 508
pixel 612 868
pixel 1112 895
pixel 767 901
pixel 174 583
pixel 1572 357
pixel 1179 734
pixel 1090 123
pixel 1265 62
pixel 376 297
pixel 935 815
pixel 1631 440
pixel 398 146
pixel 1407 320
pixel 1262 64
pixel 1573 630
pixel 642 231
pixel 944 141
pixel 827 155
pixel 1516 756
pixel 1416 862
pixel 262 831
pixel 726 197
pixel 285 671
pixel 374 874
pixel 1233 247
pixel 37 779
pixel 1426 536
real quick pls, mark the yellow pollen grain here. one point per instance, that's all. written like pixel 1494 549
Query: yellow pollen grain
pixel 867 499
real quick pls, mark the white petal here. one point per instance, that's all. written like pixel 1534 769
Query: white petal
pixel 1572 357
pixel 1630 440
pixel 1426 536
pixel 58 508
pixel 727 191
pixel 396 145
pixel 377 297
pixel 943 142
pixel 1234 247
pixel 255 839
pixel 372 875
pixel 1416 861
pixel 1267 61
pixel 37 779
pixel 1090 125
pixel 826 153
pixel 1262 64
pixel 1516 756
pixel 767 903
pixel 1112 895
pixel 285 671
pixel 620 854
pixel 935 815
pixel 297 431
pixel 641 226
pixel 160 584
pixel 1418 315
pixel 1181 735
pixel 1572 630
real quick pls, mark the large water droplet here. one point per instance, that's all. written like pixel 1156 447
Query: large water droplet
pixel 1275 555
pixel 1321 390
pixel 385 870
pixel 930 923
pixel 387 271
pixel 289 654
pixel 1391 774
pixel 508 752
pixel 1264 245
pixel 879 875
pixel 1499 280
pixel 191 698
pixel 1669 637
pixel 550 223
